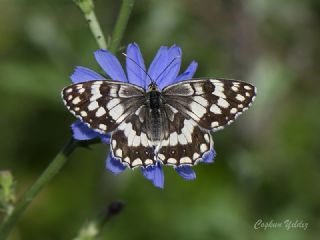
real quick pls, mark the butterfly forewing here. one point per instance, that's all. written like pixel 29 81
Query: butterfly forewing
pixel 211 103
pixel 103 105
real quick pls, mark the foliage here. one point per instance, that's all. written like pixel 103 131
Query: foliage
pixel 267 164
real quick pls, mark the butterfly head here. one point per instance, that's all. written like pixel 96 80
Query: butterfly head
pixel 153 86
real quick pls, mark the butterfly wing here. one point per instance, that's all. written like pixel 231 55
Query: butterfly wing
pixel 211 103
pixel 190 109
pixel 195 107
pixel 185 141
pixel 103 105
pixel 131 142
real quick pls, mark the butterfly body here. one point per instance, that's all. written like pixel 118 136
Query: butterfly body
pixel 154 98
pixel 172 125
pixel 154 123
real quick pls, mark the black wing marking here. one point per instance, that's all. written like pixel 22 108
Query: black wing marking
pixel 211 103
pixel 184 141
pixel 131 143
pixel 103 104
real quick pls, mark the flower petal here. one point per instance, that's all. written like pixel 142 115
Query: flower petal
pixel 114 165
pixel 136 75
pixel 154 174
pixel 148 172
pixel 158 179
pixel 190 71
pixel 209 156
pixel 186 172
pixel 110 64
pixel 170 74
pixel 105 138
pixel 158 63
pixel 83 74
pixel 82 131
pixel 161 61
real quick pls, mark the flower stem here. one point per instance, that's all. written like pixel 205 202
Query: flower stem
pixel 121 24
pixel 51 171
pixel 58 162
pixel 87 7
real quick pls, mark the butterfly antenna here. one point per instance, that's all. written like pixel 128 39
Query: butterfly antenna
pixel 152 81
pixel 167 67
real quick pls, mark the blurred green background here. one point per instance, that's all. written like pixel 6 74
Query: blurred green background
pixel 267 165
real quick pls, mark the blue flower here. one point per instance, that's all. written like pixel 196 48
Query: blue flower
pixel 135 75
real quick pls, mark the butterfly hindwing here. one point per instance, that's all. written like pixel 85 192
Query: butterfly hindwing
pixel 131 143
pixel 185 142
pixel 211 103
pixel 103 105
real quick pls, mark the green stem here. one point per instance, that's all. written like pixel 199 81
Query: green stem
pixel 51 171
pixel 87 7
pixel 121 24
pixel 58 162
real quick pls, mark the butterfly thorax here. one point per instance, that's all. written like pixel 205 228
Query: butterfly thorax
pixel 154 99
pixel 153 96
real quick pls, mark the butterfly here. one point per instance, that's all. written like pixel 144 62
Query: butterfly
pixel 172 125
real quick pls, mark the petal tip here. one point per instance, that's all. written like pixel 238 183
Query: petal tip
pixel 114 165
pixel 81 132
pixel 186 172
pixel 133 44
pixel 82 74
pixel 209 156
pixel 177 48
pixel 154 174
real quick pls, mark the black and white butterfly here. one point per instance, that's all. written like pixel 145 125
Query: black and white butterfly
pixel 172 125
